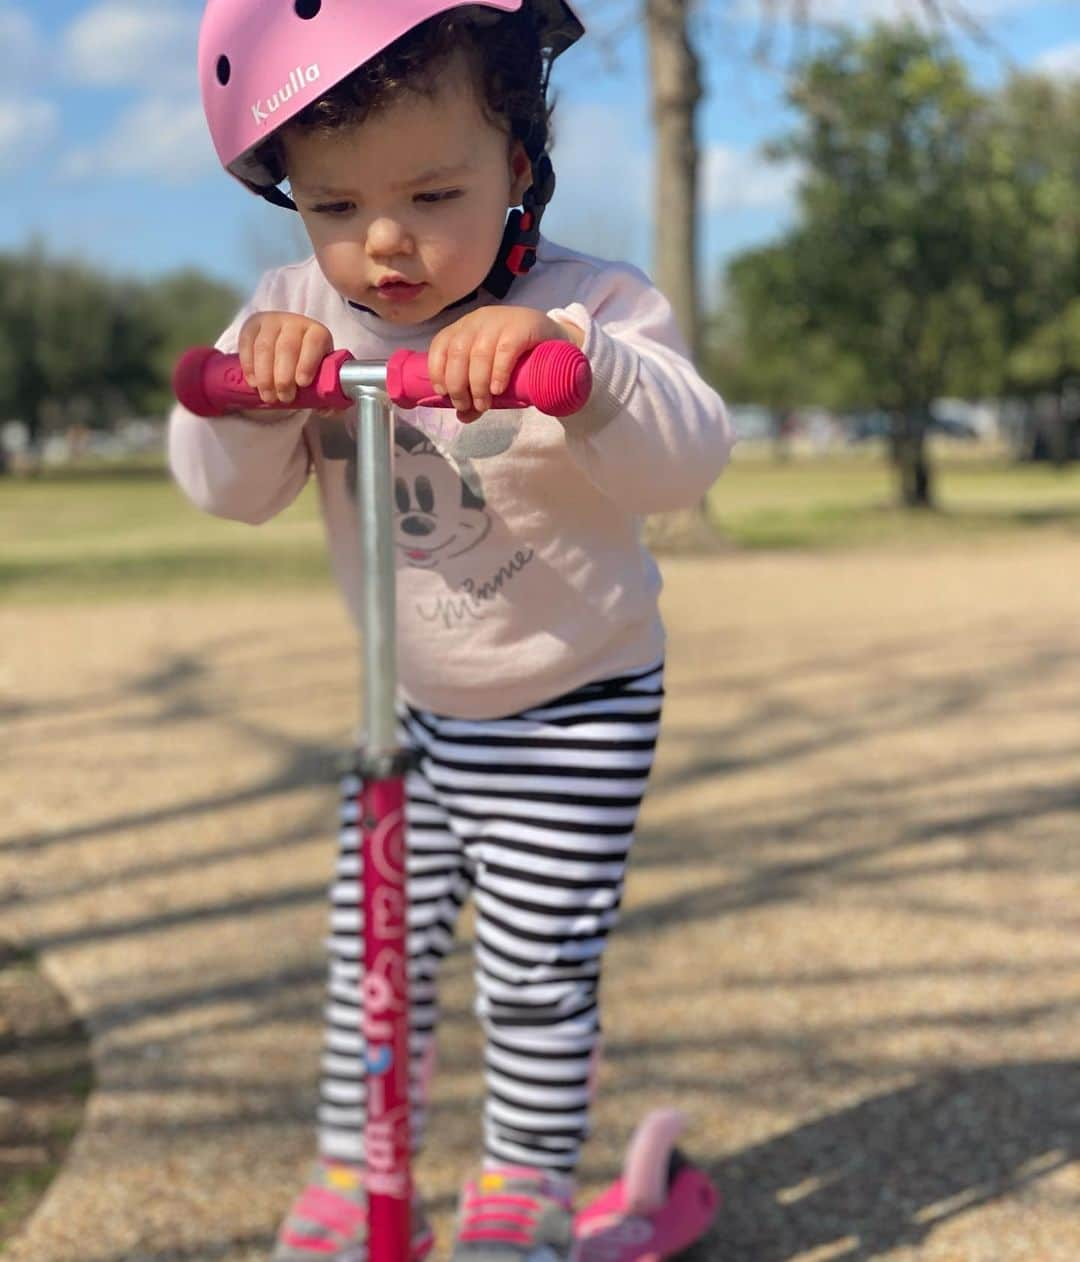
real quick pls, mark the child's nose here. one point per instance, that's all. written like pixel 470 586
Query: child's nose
pixel 387 236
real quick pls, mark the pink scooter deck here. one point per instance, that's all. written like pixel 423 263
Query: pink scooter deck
pixel 609 1231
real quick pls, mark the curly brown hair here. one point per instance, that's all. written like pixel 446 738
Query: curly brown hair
pixel 509 66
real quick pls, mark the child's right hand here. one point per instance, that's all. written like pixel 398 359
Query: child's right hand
pixel 280 351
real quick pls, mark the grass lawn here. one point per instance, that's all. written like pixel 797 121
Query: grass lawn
pixel 109 532
pixel 848 499
pixel 101 532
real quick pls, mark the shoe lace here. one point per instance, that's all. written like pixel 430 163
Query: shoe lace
pixel 503 1215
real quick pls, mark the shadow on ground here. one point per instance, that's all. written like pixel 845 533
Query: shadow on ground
pixel 45 1078
pixel 869 1179
pixel 890 1170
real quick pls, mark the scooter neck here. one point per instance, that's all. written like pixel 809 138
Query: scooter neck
pixel 366 382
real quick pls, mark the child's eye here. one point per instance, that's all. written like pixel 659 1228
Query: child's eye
pixel 332 208
pixel 442 195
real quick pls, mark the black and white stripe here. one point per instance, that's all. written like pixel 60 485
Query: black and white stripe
pixel 534 815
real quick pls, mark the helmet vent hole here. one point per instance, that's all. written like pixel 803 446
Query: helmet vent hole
pixel 224 70
pixel 307 8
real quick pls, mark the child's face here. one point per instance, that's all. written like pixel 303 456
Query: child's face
pixel 406 210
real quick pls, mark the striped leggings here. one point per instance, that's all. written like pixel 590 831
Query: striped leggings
pixel 534 815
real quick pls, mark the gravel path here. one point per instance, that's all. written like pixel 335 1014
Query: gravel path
pixel 851 944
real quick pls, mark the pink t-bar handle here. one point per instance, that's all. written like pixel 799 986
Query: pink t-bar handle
pixel 554 377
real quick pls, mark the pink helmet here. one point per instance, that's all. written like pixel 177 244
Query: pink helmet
pixel 262 61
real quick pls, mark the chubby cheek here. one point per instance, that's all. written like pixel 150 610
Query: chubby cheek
pixel 445 263
pixel 461 251
pixel 344 265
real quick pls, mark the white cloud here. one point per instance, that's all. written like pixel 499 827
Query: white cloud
pixel 27 127
pixel 21 44
pixel 602 201
pixel 1061 63
pixel 124 43
pixel 741 179
pixel 159 138
pixel 148 45
pixel 28 122
pixel 603 164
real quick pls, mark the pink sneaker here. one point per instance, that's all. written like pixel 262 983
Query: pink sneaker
pixel 328 1220
pixel 515 1214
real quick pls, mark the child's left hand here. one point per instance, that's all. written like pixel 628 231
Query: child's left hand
pixel 471 359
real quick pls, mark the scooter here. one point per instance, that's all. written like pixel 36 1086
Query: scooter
pixel 662 1203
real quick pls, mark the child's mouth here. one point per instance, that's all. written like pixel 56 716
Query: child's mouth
pixel 400 291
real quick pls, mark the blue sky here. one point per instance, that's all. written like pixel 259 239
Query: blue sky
pixel 104 156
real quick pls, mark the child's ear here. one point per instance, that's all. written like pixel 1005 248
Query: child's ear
pixel 520 173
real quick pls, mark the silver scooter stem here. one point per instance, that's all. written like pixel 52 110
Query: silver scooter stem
pixel 366 382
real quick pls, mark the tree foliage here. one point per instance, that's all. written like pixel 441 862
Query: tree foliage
pixel 78 346
pixel 677 33
pixel 936 247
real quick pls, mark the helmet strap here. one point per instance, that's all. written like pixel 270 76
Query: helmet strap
pixel 521 236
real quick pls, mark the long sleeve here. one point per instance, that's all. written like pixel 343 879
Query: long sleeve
pixel 521 574
pixel 244 469
pixel 654 436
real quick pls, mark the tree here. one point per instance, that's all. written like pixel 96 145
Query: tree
pixel 1036 140
pixel 675 62
pixel 675 78
pixel 1048 366
pixel 937 250
pixel 890 253
pixel 77 346
pixel 774 356
pixel 1033 160
pixel 80 346
pixel 191 308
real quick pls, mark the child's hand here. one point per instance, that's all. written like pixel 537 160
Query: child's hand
pixel 471 359
pixel 280 351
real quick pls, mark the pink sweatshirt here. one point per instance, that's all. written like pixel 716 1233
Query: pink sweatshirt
pixel 521 574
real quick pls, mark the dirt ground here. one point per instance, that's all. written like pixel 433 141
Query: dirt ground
pixel 44 1080
pixel 850 949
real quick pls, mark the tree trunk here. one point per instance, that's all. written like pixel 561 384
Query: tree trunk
pixel 675 82
pixel 1061 442
pixel 676 91
pixel 910 458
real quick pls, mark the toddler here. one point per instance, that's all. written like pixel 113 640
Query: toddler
pixel 529 640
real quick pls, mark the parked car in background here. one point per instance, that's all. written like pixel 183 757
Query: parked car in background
pixel 961 418
pixel 949 418
pixel 864 426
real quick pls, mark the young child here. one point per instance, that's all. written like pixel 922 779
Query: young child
pixel 530 645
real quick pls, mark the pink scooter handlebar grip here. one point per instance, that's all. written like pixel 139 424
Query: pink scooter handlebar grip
pixel 210 383
pixel 554 377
